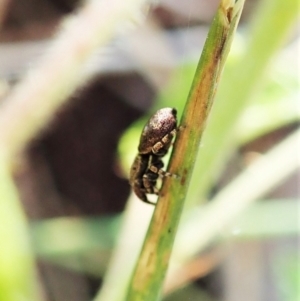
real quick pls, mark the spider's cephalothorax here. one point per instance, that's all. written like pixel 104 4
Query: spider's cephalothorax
pixel 155 141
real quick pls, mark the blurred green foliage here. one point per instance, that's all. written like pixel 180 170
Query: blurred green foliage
pixel 66 240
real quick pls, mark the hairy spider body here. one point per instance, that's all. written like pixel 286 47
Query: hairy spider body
pixel 155 141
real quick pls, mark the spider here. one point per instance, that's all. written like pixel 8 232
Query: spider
pixel 155 141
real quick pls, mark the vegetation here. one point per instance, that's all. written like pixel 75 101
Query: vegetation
pixel 257 95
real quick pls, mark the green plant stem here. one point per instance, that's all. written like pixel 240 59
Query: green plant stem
pixel 147 280
pixel 267 225
pixel 272 22
pixel 130 239
pixel 256 180
pixel 29 108
pixel 17 272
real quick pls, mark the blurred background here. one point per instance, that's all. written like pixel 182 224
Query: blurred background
pixel 73 178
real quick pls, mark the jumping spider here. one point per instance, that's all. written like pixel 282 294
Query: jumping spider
pixel 154 143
